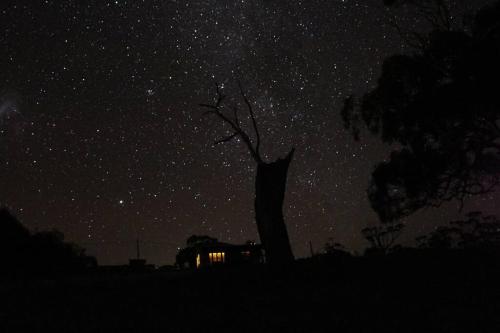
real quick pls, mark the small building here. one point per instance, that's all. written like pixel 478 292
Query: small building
pixel 215 253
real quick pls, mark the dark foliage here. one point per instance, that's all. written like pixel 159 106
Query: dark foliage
pixel 476 232
pixel 440 106
pixel 195 239
pixel 185 255
pixel 382 237
pixel 441 238
pixel 332 246
pixel 335 249
pixel 14 236
pixel 23 254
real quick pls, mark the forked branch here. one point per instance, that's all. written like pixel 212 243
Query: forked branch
pixel 217 110
pixel 252 115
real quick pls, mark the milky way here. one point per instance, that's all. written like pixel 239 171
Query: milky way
pixel 112 145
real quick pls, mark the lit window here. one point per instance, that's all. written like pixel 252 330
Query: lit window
pixel 216 257
pixel 198 261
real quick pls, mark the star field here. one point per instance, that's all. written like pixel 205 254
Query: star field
pixel 102 138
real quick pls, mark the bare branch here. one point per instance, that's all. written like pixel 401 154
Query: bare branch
pixel 226 139
pixel 235 113
pixel 234 124
pixel 209 106
pixel 411 38
pixel 254 122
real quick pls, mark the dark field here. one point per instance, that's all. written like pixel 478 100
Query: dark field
pixel 410 292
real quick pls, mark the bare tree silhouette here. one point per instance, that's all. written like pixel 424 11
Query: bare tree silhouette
pixel 270 181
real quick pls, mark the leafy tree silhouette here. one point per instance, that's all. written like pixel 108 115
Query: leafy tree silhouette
pixel 39 253
pixel 195 239
pixel 440 106
pixel 335 249
pixel 270 181
pixel 382 237
pixel 476 231
pixel 443 238
pixel 14 240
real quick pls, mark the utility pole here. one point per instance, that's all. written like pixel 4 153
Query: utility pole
pixel 138 249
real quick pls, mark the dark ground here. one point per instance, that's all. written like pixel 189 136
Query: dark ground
pixel 407 292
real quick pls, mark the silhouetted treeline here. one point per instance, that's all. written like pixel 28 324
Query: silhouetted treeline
pixel 476 232
pixel 26 254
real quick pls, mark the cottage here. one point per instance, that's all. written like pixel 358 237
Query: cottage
pixel 203 251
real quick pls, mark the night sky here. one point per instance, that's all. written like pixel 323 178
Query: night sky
pixel 102 138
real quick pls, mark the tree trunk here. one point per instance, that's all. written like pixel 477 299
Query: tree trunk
pixel 270 187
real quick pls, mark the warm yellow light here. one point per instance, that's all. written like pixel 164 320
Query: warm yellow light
pixel 198 261
pixel 216 257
